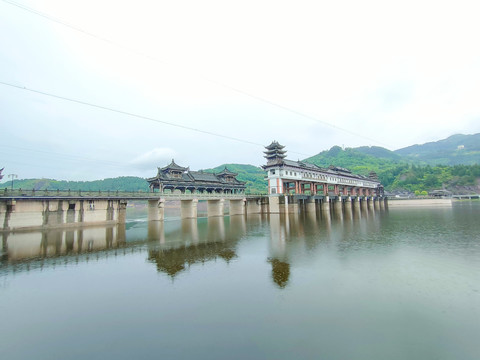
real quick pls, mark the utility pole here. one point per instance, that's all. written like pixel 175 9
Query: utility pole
pixel 13 176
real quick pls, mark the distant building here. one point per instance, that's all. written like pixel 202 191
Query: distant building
pixel 298 177
pixel 174 177
pixel 460 147
pixel 440 193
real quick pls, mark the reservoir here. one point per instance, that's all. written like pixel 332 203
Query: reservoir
pixel 398 283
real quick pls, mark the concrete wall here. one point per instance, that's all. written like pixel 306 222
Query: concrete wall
pixel 40 243
pixel 215 207
pixel 33 214
pixel 419 202
pixel 237 207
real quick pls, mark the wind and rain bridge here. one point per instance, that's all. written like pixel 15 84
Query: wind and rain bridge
pixel 293 186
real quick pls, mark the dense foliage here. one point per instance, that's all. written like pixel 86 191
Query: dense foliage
pixel 414 169
pixel 425 178
pixel 253 176
pixel 398 173
pixel 123 183
pixel 454 150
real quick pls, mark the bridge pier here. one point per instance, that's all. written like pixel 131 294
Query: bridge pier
pixel 188 208
pixel 237 207
pixel 325 205
pixel 348 204
pixel 215 207
pixel 274 204
pixel 18 214
pixel 156 210
pixel 356 204
pixel 254 206
pixel 363 204
pixel 337 204
pixel 370 202
pixel 310 206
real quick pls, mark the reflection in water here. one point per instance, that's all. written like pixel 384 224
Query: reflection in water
pixel 296 235
pixel 280 272
pixel 196 241
pixel 21 246
pixel 173 246
pixel 374 285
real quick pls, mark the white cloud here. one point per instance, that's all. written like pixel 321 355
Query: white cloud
pixel 153 159
pixel 398 73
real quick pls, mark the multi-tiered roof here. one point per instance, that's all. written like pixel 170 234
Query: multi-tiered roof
pixel 275 153
pixel 174 176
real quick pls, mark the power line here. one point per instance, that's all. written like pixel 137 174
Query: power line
pixel 64 155
pixel 143 117
pixel 218 83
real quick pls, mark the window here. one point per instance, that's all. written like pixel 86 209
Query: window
pixel 272 172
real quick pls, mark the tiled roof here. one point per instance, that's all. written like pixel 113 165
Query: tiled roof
pixel 204 176
pixel 274 145
pixel 226 172
pixel 174 166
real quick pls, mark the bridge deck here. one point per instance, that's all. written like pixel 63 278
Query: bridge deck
pixel 20 194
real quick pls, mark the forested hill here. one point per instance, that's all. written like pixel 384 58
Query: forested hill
pixel 411 168
pixel 123 183
pixel 454 150
pixel 253 177
pixel 360 160
pixel 402 173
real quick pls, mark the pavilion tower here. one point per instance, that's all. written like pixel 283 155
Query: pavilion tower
pixel 274 153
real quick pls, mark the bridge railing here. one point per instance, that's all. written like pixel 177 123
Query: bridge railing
pixel 18 193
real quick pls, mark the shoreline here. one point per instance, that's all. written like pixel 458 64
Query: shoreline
pixel 393 203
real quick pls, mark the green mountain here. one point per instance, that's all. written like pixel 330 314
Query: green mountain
pixel 362 160
pixel 123 183
pixel 253 176
pixel 454 150
pixel 409 172
pixel 412 168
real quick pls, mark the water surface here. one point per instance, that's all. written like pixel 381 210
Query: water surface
pixel 397 284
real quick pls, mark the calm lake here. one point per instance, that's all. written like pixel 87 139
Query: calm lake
pixel 390 284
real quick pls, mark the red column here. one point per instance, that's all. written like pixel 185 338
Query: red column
pixel 335 189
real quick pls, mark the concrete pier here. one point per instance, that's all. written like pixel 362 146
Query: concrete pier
pixel 370 202
pixel 24 214
pixel 356 204
pixel 338 203
pixel 188 209
pixel 50 213
pixel 348 202
pixel 310 206
pixel 215 207
pixel 156 210
pixel 254 206
pixel 325 205
pixel 237 207
pixel 274 204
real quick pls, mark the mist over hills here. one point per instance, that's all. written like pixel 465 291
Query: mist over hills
pixel 454 150
pixel 451 163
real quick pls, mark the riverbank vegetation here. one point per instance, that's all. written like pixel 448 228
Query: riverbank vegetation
pixel 451 164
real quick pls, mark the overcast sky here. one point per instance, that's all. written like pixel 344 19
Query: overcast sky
pixel 309 74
